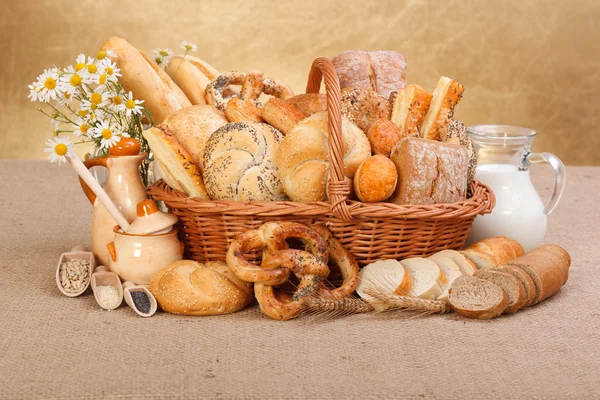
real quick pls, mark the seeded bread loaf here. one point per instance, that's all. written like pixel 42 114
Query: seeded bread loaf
pixel 457 134
pixel 364 107
pixel 473 297
pixel 513 288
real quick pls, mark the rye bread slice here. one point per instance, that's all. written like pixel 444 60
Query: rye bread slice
pixel 513 288
pixel 522 276
pixel 473 297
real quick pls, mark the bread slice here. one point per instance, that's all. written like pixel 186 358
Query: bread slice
pixel 481 259
pixel 410 107
pixel 446 96
pixel 494 251
pixel 385 275
pixel 176 163
pixel 466 266
pixel 473 297
pixel 428 279
pixel 513 288
pixel 450 269
pixel 523 277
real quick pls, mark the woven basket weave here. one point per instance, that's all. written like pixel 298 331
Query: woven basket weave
pixel 370 231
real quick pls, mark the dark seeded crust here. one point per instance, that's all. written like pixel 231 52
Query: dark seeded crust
pixel 513 288
pixel 524 278
pixel 457 134
pixel 464 285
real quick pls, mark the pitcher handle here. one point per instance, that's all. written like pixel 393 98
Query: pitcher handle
pixel 560 175
pixel 92 162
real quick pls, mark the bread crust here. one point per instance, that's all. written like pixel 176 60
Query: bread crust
pixel 363 106
pixel 409 109
pixel 238 110
pixel 457 134
pixel 309 103
pixel 491 252
pixel 516 298
pixel 525 279
pixel 192 75
pixel 281 115
pixel 383 135
pixel 375 179
pixel 446 96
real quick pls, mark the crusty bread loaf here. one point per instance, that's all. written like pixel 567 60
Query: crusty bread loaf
pixel 190 288
pixel 192 126
pixel 309 103
pixel 491 252
pixel 548 266
pixel 240 163
pixel 375 179
pixel 386 276
pixel 450 269
pixel 473 297
pixel 176 164
pixel 281 115
pixel 146 80
pixel 303 157
pixel 429 172
pixel 363 106
pixel 428 279
pixel 238 110
pixel 192 75
pixel 383 135
pixel 409 109
pixel 523 277
pixel 466 266
pixel 381 71
pixel 512 287
pixel 446 96
pixel 457 134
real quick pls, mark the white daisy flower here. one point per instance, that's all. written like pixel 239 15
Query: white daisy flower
pixel 34 91
pixel 107 71
pixel 72 80
pixel 164 54
pixel 80 62
pixel 47 85
pixel 129 105
pixel 102 54
pixel 81 127
pixel 188 46
pixel 94 112
pixel 58 148
pixel 110 134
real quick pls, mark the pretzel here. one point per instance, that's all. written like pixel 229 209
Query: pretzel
pixel 253 85
pixel 279 261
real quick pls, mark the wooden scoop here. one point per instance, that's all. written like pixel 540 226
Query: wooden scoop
pixel 129 288
pixel 104 277
pixel 82 253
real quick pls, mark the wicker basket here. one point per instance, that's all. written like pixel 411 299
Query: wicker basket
pixel 370 231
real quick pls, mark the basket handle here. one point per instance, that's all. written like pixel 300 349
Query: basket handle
pixel 323 69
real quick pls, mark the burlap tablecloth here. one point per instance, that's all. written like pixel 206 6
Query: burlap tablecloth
pixel 57 347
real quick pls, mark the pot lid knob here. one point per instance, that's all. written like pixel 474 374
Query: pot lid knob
pixel 125 147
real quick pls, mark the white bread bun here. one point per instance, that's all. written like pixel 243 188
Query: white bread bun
pixel 428 278
pixel 303 156
pixel 450 269
pixel 388 276
pixel 240 163
pixel 190 288
pixel 192 126
pixel 146 80
pixel 192 75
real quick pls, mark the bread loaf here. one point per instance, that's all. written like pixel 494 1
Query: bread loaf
pixel 240 163
pixel 176 164
pixel 192 126
pixel 146 80
pixel 303 157
pixel 281 115
pixel 192 75
pixel 386 276
pixel 409 109
pixel 381 71
pixel 512 287
pixel 473 297
pixel 375 179
pixel 523 277
pixel 429 172
pixel 383 135
pixel 457 134
pixel 189 288
pixel 309 103
pixel 491 252
pixel 446 96
pixel 363 106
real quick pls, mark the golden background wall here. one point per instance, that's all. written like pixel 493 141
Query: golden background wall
pixel 529 63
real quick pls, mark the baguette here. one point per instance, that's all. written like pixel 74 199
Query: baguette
pixel 428 278
pixel 491 252
pixel 450 269
pixel 445 97
pixel 513 288
pixel 523 277
pixel 387 276
pixel 409 109
pixel 466 266
pixel 192 75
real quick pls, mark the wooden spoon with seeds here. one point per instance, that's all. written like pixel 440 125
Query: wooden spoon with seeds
pixel 78 253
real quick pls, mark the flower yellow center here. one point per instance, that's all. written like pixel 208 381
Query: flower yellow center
pixel 102 79
pixel 100 55
pixel 163 53
pixel 82 113
pixel 79 66
pixel 109 71
pixel 96 98
pixel 93 106
pixel 55 115
pixel 67 96
pixel 75 80
pixel 83 128
pixel 158 60
pixel 50 83
pixel 60 149
pixel 92 68
pixel 130 104
pixel 106 134
pixel 117 100
pixel 188 47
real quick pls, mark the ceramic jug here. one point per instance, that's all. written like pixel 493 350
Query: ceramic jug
pixel 123 185
pixel 503 160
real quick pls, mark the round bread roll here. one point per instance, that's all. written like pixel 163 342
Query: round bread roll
pixel 383 135
pixel 192 126
pixel 146 80
pixel 240 163
pixel 364 106
pixel 190 288
pixel 375 179
pixel 192 75
pixel 309 103
pixel 303 157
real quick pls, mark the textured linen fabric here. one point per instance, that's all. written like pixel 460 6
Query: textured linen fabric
pixel 54 347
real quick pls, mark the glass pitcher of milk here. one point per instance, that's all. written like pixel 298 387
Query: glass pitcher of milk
pixel 503 160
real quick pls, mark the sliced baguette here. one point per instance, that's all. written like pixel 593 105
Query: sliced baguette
pixel 388 276
pixel 491 252
pixel 513 288
pixel 523 277
pixel 480 258
pixel 427 278
pixel 466 266
pixel 409 109
pixel 473 297
pixel 450 269
pixel 445 97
